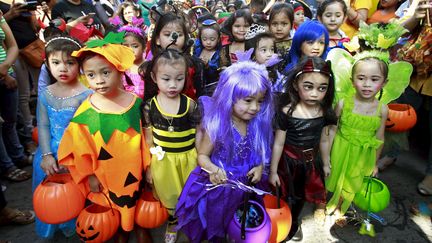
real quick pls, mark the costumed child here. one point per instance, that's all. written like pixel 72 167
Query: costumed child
pixel 235 146
pixel 332 14
pixel 136 40
pixel 261 46
pixel 128 13
pixel 304 115
pixel 280 23
pixel 235 27
pixel 56 106
pixel 386 12
pixel 362 111
pixel 170 32
pixel 103 146
pixel 310 40
pixel 170 121
pixel 207 48
pixel 302 13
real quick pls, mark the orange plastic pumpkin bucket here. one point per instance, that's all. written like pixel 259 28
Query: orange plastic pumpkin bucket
pixel 149 212
pixel 57 199
pixel 401 118
pixel 280 216
pixel 97 223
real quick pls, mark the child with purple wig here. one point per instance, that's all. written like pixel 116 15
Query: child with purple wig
pixel 235 145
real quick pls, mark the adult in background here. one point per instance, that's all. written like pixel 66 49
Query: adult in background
pixel 23 26
pixel 77 11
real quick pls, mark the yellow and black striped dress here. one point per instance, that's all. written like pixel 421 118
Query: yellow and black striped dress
pixel 175 133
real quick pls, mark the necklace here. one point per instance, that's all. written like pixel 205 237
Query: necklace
pixel 169 120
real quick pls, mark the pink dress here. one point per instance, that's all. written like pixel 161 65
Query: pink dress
pixel 137 86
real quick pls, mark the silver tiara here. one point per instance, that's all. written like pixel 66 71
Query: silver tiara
pixel 63 38
pixel 254 30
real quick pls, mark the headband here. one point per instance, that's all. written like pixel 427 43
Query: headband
pixel 63 38
pixel 309 68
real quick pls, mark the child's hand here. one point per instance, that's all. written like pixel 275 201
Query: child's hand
pixel 94 183
pixel 255 174
pixel 218 177
pixel 327 170
pixel 149 177
pixel 49 165
pixel 274 179
pixel 375 172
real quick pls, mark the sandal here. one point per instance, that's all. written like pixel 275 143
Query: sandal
pixel 17 175
pixel 11 216
pixel 25 161
pixel 170 233
pixel 340 220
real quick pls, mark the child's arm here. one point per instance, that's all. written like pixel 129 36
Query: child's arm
pixel 276 154
pixel 326 141
pixel 217 174
pixel 148 135
pixel 48 164
pixel 94 183
pixel 380 134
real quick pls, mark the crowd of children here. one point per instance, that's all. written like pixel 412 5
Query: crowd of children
pixel 253 98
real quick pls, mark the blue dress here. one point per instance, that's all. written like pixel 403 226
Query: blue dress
pixel 205 214
pixel 53 116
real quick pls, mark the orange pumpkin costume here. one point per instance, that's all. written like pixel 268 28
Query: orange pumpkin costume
pixel 109 145
pixel 112 147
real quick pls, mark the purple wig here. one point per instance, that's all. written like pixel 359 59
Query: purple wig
pixel 238 81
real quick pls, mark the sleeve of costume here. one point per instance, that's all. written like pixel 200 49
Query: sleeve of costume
pixel 363 4
pixel 195 114
pixel 146 120
pixel 44 135
pixel 44 79
pixel 77 152
pixel 281 121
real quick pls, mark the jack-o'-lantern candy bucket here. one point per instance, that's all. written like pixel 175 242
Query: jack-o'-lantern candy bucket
pixel 97 223
pixel 401 118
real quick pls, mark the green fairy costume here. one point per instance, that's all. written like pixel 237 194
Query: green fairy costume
pixel 353 153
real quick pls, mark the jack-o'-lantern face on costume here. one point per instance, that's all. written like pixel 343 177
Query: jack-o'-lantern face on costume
pixel 109 145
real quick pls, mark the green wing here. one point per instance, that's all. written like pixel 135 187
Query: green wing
pixel 398 79
pixel 341 63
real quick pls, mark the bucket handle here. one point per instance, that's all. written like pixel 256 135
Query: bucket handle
pixel 109 202
pixel 278 196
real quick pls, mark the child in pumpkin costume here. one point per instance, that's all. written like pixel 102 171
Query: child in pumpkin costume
pixel 103 146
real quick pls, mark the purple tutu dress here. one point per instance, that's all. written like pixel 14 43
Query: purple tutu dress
pixel 205 214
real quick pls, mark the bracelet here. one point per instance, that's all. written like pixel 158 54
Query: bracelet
pixel 46 154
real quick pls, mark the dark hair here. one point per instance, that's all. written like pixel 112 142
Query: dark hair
pixel 164 20
pixel 170 56
pixel 123 6
pixel 141 39
pixel 64 43
pixel 282 8
pixel 227 25
pixel 259 5
pixel 322 7
pixel 253 43
pixel 382 65
pixel 292 97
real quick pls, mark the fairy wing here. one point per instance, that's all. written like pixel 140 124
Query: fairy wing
pixel 398 79
pixel 341 63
